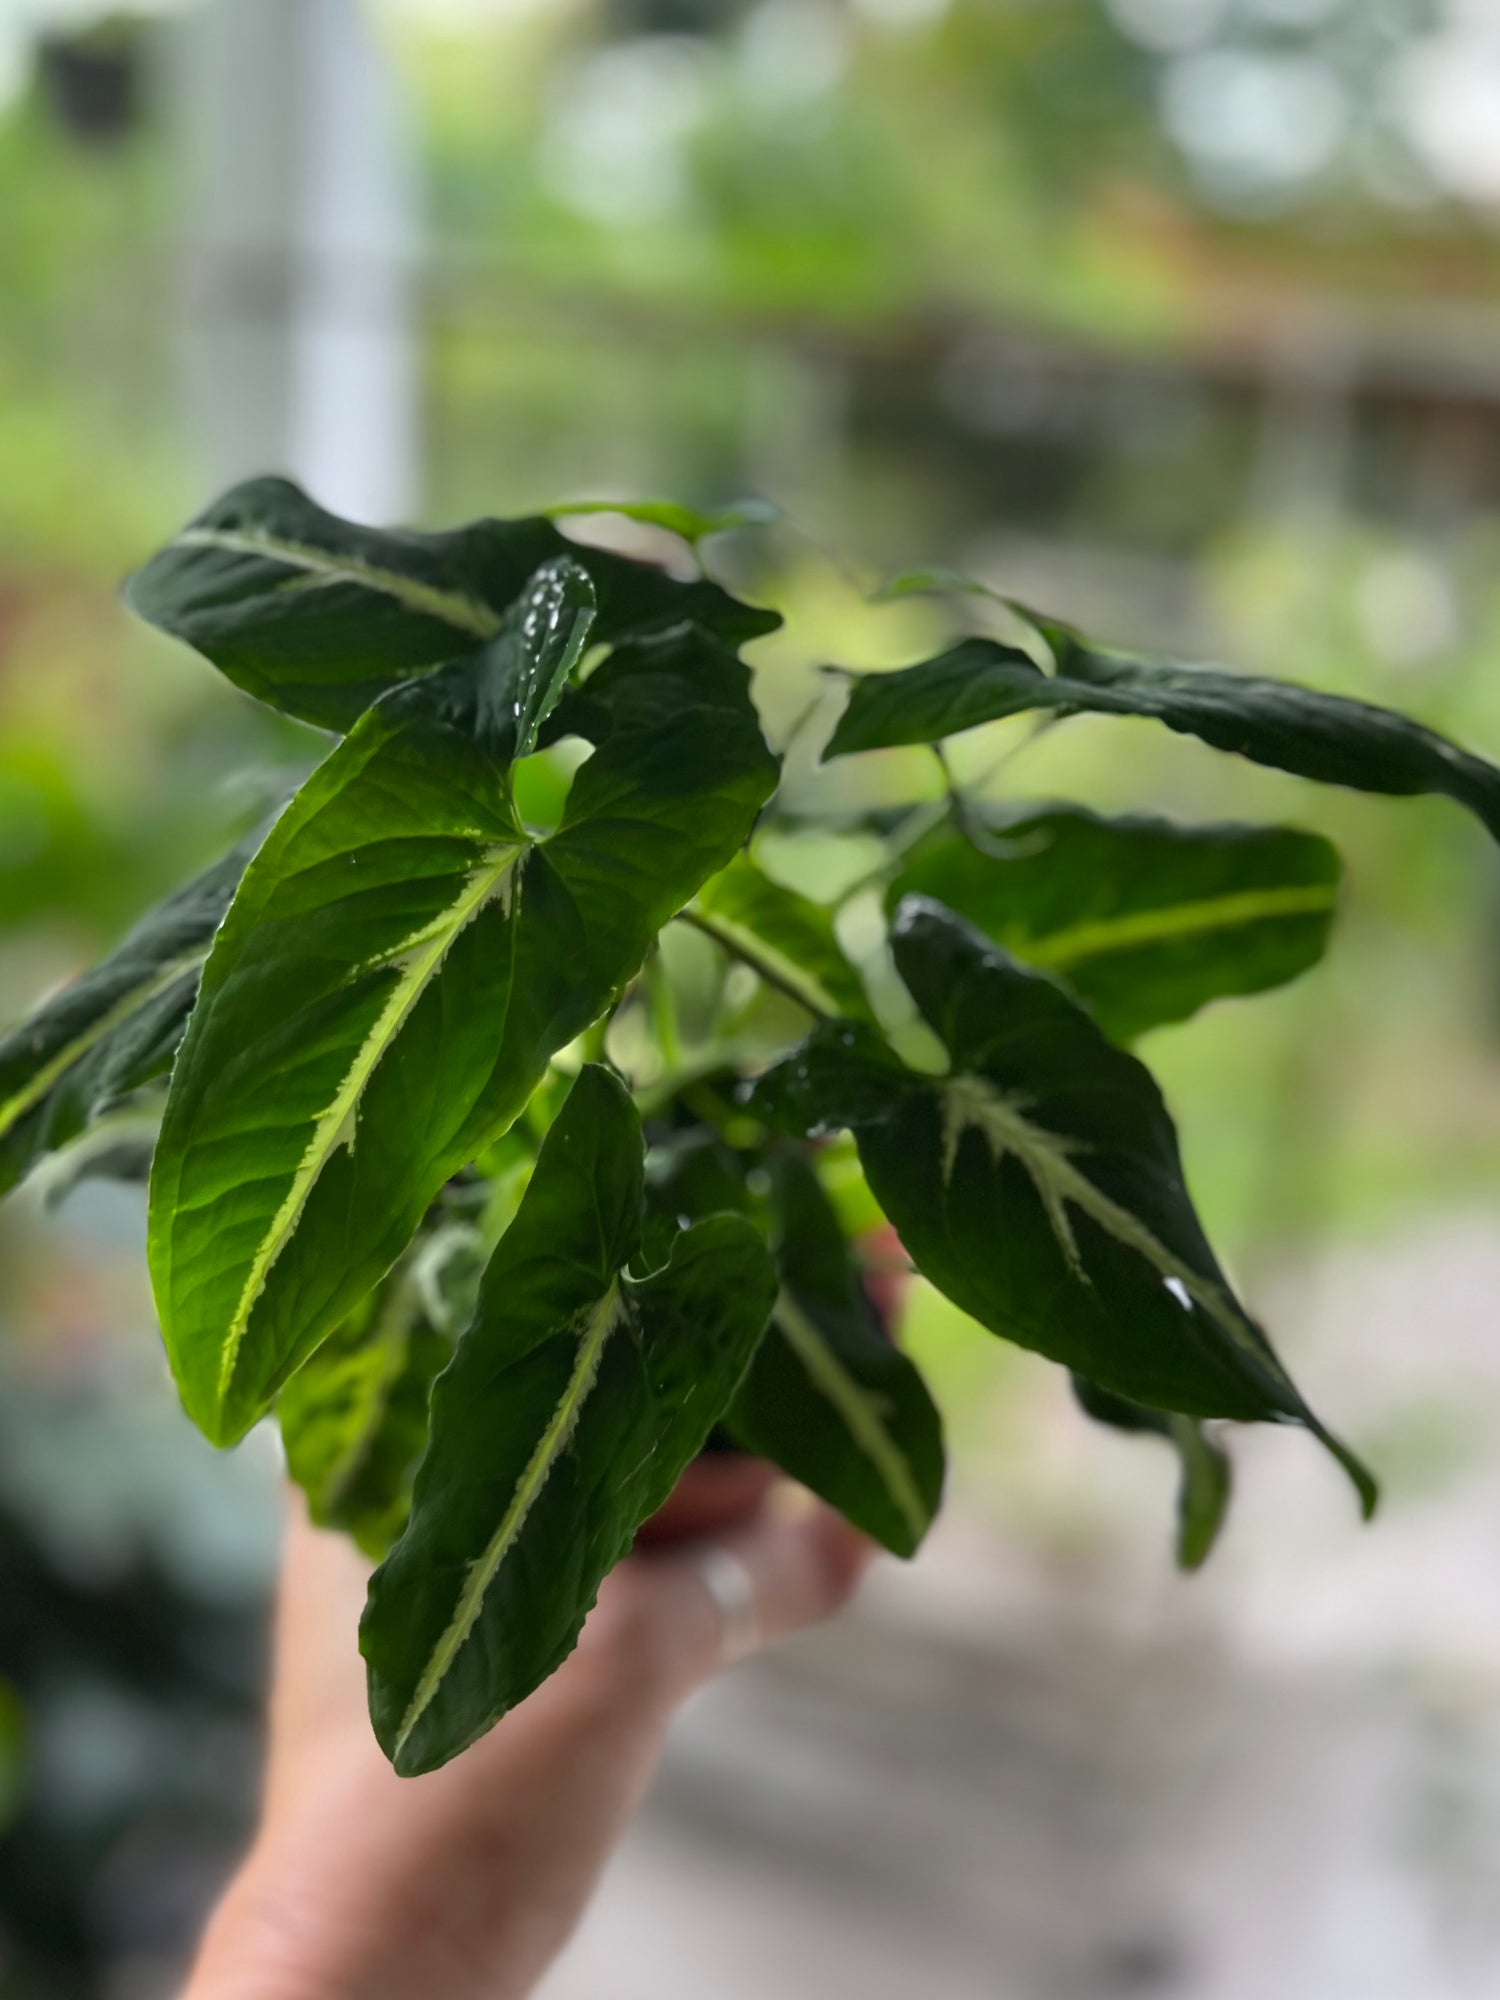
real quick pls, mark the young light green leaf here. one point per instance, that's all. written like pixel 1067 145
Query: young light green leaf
pixel 354 1416
pixel 540 641
pixel 572 1405
pixel 828 1397
pixel 1144 920
pixel 400 964
pixel 934 582
pixel 1206 1473
pixel 318 616
pixel 1325 737
pixel 114 1028
pixel 691 523
pixel 1038 1185
pixel 787 936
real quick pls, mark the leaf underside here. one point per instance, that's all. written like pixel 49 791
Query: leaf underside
pixel 1205 1474
pixel 787 933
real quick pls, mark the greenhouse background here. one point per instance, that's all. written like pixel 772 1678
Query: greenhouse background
pixel 1180 318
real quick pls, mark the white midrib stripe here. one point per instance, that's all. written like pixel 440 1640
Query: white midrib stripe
pixel 858 1409
pixel 41 1081
pixel 598 1323
pixel 1148 927
pixel 1046 1156
pixel 449 606
pixel 335 1123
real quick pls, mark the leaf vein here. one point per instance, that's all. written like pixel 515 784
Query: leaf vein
pixel 598 1323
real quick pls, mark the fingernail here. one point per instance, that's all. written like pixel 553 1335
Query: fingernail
pixel 788 1501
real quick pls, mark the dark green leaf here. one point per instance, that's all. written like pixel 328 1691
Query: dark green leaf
pixel 1038 1183
pixel 788 937
pixel 828 1398
pixel 354 1417
pixel 1206 1473
pixel 692 1174
pixel 114 1028
pixel 1321 736
pixel 400 964
pixel 571 1407
pixel 318 616
pixel 1144 920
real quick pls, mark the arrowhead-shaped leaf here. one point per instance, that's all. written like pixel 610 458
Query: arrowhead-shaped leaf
pixel 571 1407
pixel 828 1398
pixel 1038 1182
pixel 114 1028
pixel 787 935
pixel 1206 1475
pixel 318 616
pixel 1144 920
pixel 399 965
pixel 1313 735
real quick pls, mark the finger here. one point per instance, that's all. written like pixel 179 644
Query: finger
pixel 795 1563
pixel 804 1563
pixel 319 1674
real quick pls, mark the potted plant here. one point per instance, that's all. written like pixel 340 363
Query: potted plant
pixel 501 1122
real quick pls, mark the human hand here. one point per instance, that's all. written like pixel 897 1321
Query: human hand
pixel 467 1882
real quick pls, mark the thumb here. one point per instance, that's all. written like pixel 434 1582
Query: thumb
pixel 710 1602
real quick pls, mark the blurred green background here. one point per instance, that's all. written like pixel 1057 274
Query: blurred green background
pixel 1179 318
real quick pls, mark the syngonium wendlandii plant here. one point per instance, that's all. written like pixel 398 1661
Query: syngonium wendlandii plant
pixel 509 1108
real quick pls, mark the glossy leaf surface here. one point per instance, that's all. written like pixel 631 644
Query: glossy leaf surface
pixel 318 616
pixel 1325 737
pixel 1038 1184
pixel 1146 921
pixel 572 1405
pixel 828 1397
pixel 400 964
pixel 1205 1477
pixel 541 639
pixel 114 1028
